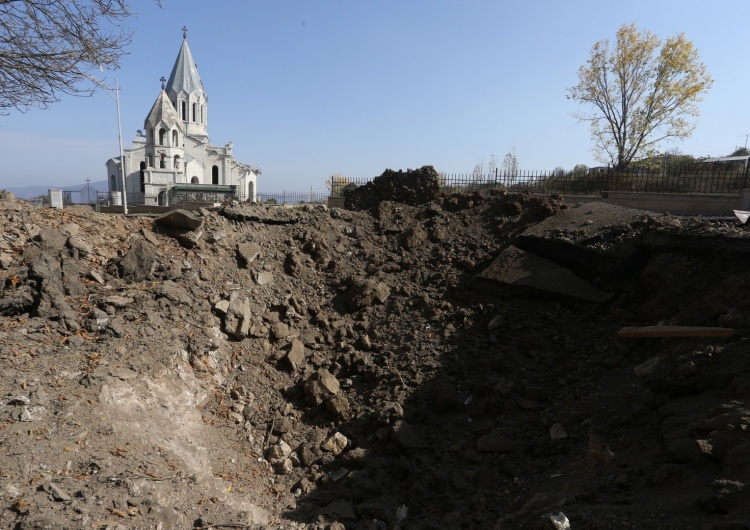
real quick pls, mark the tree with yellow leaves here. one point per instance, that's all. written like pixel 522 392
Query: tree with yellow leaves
pixel 640 93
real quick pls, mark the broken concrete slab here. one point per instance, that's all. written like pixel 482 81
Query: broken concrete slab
pixel 179 219
pixel 591 237
pixel 517 268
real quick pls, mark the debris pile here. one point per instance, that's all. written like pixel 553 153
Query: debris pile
pixel 413 187
pixel 451 363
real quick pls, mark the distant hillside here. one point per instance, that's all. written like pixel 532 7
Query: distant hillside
pixel 29 192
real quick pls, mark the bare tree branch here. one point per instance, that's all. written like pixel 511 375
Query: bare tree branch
pixel 47 47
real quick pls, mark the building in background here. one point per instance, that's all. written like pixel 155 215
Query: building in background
pixel 173 155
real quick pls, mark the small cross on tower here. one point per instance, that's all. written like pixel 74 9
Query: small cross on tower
pixel 184 32
pixel 163 80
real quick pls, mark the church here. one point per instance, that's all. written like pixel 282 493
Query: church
pixel 172 159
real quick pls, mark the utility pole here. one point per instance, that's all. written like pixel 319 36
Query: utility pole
pixel 114 93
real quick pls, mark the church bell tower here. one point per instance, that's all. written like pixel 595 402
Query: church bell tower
pixel 185 91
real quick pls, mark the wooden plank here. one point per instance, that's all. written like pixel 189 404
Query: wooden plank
pixel 675 331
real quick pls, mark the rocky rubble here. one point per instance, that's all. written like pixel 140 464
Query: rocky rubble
pixel 413 187
pixel 410 366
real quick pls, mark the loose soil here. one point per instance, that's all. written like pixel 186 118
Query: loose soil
pixel 257 367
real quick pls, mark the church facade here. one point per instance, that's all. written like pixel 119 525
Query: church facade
pixel 173 154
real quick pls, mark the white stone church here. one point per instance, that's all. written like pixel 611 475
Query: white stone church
pixel 174 157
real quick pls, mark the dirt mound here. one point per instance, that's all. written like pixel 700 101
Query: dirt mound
pixel 258 367
pixel 414 187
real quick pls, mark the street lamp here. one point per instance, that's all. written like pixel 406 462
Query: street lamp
pixel 114 93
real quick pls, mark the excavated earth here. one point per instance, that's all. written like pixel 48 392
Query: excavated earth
pixel 450 365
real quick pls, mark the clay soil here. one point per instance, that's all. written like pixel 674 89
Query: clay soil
pixel 328 369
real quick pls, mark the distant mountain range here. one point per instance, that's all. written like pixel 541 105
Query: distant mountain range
pixel 29 192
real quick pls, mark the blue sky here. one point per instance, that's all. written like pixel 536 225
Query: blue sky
pixel 308 88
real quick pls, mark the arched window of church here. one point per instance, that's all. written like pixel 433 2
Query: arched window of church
pixel 215 175
pixel 163 161
pixel 203 114
pixel 150 160
pixel 177 161
pixel 174 139
pixel 194 112
pixel 184 110
pixel 162 136
pixel 194 180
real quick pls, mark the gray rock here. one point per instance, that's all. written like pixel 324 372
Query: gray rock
pixel 71 229
pixel 221 307
pixel 557 432
pixel 150 237
pixel 118 301
pixel 320 386
pixel 338 405
pixel 174 292
pixel 78 244
pixel 55 492
pixel 248 252
pixel 295 358
pixel 335 444
pixel 365 293
pixel 139 262
pixel 264 278
pixel 52 238
pixel 237 319
pixel 280 331
pixel 6 260
pixel 188 238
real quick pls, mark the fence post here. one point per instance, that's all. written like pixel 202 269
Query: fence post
pixel 606 180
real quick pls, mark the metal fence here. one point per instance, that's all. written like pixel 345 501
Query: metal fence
pixel 292 197
pixel 721 178
pixel 105 198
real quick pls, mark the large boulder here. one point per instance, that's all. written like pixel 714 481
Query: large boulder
pixel 413 187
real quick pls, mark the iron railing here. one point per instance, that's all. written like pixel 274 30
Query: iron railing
pixel 105 198
pixel 721 178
